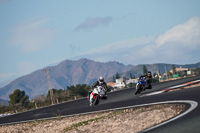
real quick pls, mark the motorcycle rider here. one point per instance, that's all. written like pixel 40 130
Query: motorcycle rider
pixel 100 82
pixel 148 77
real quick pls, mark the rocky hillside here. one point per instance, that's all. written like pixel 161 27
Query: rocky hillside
pixel 66 73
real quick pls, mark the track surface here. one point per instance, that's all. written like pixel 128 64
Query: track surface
pixel 123 98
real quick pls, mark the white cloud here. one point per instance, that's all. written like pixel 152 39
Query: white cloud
pixel 186 34
pixel 91 23
pixel 120 45
pixel 120 51
pixel 180 44
pixel 31 35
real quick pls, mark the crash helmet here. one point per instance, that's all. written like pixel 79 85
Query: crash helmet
pixel 101 79
pixel 149 73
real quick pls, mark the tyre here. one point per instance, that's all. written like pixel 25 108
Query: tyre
pixel 104 97
pixel 95 101
pixel 138 89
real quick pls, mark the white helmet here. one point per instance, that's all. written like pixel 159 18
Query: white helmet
pixel 101 79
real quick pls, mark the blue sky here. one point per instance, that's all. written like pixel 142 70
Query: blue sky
pixel 38 33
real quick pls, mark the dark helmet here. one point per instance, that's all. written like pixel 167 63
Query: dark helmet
pixel 101 79
pixel 148 73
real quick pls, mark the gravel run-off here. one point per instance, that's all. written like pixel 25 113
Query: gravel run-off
pixel 117 121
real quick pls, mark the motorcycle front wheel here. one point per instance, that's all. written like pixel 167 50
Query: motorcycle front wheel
pixel 95 101
pixel 138 89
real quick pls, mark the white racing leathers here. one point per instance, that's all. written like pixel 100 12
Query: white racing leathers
pixel 97 94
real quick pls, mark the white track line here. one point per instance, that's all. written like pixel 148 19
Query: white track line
pixel 192 107
pixel 152 93
pixel 171 88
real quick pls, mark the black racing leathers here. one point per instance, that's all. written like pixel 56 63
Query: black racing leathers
pixel 149 81
pixel 103 84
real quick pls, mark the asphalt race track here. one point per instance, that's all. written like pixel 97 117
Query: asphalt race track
pixel 189 122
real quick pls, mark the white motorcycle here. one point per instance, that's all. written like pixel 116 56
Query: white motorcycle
pixel 97 94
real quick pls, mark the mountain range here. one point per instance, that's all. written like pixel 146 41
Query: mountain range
pixel 3 102
pixel 154 68
pixel 83 71
pixel 64 74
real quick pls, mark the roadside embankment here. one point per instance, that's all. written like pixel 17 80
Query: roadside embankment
pixel 125 120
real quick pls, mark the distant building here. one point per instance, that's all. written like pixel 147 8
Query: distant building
pixel 131 81
pixel 180 72
pixel 112 84
pixel 119 83
pixel 191 71
pixel 179 69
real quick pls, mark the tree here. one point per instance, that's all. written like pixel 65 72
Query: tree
pixel 169 74
pixel 117 76
pixel 154 80
pixel 79 90
pixel 173 69
pixel 113 79
pixel 18 97
pixel 144 70
pixel 40 101
pixel 109 88
pixel 131 85
pixel 197 71
pixel 131 76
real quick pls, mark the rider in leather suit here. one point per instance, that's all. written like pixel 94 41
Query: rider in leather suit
pixel 148 79
pixel 100 82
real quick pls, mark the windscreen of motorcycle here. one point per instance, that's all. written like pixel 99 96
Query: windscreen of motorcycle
pixel 101 91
